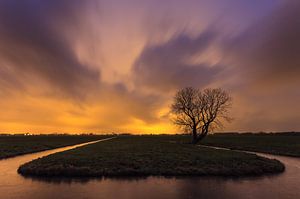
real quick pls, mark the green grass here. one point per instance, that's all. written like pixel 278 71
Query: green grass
pixel 280 144
pixel 13 145
pixel 149 155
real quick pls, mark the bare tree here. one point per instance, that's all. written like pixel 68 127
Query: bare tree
pixel 199 112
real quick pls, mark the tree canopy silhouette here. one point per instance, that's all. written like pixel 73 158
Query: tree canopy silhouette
pixel 199 112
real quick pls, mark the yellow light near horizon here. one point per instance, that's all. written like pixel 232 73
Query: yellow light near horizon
pixel 28 114
pixel 139 127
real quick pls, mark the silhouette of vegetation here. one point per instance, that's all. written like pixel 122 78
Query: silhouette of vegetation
pixel 148 155
pixel 199 112
pixel 13 145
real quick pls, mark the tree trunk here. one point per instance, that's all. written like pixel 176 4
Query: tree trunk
pixel 203 134
pixel 194 136
pixel 197 138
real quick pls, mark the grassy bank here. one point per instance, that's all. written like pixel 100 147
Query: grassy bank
pixel 279 144
pixel 13 145
pixel 149 155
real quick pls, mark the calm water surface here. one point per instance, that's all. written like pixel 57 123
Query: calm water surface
pixel 282 186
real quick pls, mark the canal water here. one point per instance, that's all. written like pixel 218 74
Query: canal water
pixel 15 186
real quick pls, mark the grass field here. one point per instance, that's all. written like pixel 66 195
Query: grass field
pixel 279 144
pixel 149 155
pixel 13 145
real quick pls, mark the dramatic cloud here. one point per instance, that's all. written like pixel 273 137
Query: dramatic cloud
pixel 110 65
pixel 169 66
pixel 269 50
pixel 31 46
pixel 266 60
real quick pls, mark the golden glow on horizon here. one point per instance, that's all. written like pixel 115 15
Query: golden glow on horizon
pixel 46 115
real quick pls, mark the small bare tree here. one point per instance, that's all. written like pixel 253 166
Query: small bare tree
pixel 199 112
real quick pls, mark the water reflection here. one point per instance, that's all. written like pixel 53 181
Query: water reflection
pixel 82 180
pixel 85 180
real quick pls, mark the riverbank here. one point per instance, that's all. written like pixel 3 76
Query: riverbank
pixel 149 156
pixel 13 145
pixel 287 144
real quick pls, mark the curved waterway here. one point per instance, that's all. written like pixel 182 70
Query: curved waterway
pixel 15 186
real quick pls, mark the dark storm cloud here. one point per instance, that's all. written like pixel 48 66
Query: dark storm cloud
pixel 168 65
pixel 33 45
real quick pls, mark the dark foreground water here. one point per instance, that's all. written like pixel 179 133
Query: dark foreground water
pixel 282 186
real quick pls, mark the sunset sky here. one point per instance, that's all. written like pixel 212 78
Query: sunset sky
pixel 114 65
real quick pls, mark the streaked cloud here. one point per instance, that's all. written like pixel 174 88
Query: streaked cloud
pixel 102 66
pixel 169 66
pixel 35 49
